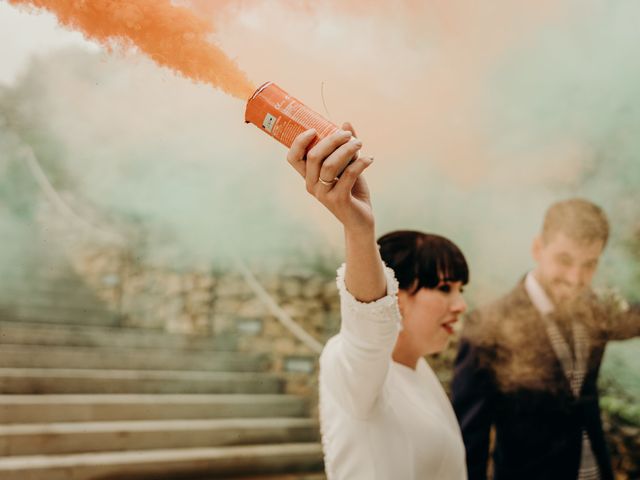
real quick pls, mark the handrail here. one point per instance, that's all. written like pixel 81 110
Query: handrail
pixel 277 311
pixel 50 192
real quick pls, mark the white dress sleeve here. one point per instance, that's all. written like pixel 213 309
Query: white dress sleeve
pixel 355 363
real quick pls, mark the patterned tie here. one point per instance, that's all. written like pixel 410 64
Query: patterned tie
pixel 574 365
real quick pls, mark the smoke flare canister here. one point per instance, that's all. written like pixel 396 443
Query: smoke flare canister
pixel 284 117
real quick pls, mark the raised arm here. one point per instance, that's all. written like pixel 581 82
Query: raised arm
pixel 624 324
pixel 349 201
pixel 354 364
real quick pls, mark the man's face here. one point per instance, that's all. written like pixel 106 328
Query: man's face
pixel 565 266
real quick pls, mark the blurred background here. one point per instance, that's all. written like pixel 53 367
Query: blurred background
pixel 164 270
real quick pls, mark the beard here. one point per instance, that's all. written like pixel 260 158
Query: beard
pixel 575 306
pixel 565 296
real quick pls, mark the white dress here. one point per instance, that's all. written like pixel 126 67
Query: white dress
pixel 381 420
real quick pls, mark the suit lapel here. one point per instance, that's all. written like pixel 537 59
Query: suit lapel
pixel 532 320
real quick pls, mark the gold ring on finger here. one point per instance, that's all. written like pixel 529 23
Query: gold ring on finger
pixel 328 184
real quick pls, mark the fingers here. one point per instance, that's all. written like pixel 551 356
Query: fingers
pixel 335 163
pixel 347 126
pixel 350 176
pixel 328 159
pixel 297 152
pixel 318 154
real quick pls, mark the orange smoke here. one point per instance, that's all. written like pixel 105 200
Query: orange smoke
pixel 172 36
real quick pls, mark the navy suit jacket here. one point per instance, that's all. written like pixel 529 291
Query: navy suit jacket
pixel 508 376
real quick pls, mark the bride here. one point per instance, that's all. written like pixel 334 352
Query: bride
pixel 383 413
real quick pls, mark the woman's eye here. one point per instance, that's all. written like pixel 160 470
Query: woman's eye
pixel 444 288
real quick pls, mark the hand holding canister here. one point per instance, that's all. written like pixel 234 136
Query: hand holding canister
pixel 325 155
pixel 347 197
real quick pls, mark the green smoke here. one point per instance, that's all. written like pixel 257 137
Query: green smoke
pixel 580 82
pixel 159 152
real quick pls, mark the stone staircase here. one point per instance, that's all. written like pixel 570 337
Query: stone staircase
pixel 84 398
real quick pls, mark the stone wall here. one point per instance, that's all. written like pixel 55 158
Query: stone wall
pixel 311 301
pixel 220 303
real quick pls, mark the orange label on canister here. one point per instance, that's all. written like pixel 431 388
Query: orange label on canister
pixel 284 117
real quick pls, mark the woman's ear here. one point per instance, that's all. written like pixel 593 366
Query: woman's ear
pixel 403 298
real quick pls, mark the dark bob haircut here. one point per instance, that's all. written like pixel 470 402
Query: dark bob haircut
pixel 422 260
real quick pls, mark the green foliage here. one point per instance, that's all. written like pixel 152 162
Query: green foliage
pixel 624 408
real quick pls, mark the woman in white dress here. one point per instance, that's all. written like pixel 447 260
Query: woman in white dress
pixel 383 412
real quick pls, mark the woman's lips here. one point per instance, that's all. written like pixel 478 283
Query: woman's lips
pixel 448 326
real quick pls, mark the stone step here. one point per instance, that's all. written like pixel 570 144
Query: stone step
pixel 32 333
pixel 46 314
pixel 85 437
pixel 53 380
pixel 30 356
pixel 46 258
pixel 43 274
pixel 167 464
pixel 17 302
pixel 55 280
pixel 21 409
pixel 283 476
pixel 73 292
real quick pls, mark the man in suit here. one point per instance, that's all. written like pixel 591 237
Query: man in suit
pixel 528 363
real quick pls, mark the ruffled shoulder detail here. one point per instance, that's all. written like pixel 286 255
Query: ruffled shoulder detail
pixel 381 307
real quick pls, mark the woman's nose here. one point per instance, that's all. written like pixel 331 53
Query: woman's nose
pixel 459 304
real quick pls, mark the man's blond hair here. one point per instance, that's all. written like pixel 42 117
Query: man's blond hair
pixel 579 219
